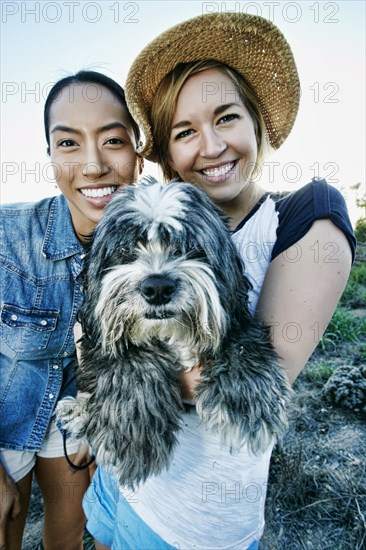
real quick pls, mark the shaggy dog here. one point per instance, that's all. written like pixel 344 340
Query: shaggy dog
pixel 164 291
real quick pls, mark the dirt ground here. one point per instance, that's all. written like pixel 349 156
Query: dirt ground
pixel 316 497
pixel 33 528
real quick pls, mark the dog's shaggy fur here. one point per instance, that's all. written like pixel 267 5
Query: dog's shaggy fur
pixel 164 291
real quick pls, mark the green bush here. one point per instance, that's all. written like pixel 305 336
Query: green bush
pixel 318 371
pixel 358 274
pixel 354 295
pixel 346 388
pixel 360 230
pixel 342 328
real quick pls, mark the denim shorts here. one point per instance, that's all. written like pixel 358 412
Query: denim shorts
pixel 113 522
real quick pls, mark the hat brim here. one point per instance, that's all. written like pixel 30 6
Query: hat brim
pixel 250 44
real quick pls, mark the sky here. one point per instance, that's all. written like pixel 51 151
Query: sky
pixel 45 40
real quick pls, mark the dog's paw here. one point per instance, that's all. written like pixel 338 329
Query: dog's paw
pixel 72 414
pixel 237 422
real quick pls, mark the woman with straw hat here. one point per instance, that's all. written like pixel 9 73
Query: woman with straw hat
pixel 213 95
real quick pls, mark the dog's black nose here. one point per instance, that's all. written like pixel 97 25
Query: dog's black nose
pixel 158 289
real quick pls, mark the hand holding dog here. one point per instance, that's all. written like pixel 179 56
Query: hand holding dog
pixel 81 458
pixel 189 381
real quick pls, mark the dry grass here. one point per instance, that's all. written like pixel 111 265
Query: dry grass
pixel 317 487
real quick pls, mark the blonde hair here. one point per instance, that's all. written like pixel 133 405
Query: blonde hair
pixel 165 101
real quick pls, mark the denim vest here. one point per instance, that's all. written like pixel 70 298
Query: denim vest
pixel 40 262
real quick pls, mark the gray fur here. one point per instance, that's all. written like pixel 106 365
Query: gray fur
pixel 165 290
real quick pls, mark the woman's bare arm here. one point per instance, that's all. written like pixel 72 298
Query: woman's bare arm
pixel 301 290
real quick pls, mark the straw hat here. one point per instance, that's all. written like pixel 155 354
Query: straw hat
pixel 250 44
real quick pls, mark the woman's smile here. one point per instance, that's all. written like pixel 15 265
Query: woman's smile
pixel 218 173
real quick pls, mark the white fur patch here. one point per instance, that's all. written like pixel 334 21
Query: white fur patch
pixel 72 413
pixel 161 205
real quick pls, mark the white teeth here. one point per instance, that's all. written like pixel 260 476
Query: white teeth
pixel 220 170
pixel 95 193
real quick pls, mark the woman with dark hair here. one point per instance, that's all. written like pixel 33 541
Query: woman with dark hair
pixel 92 141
